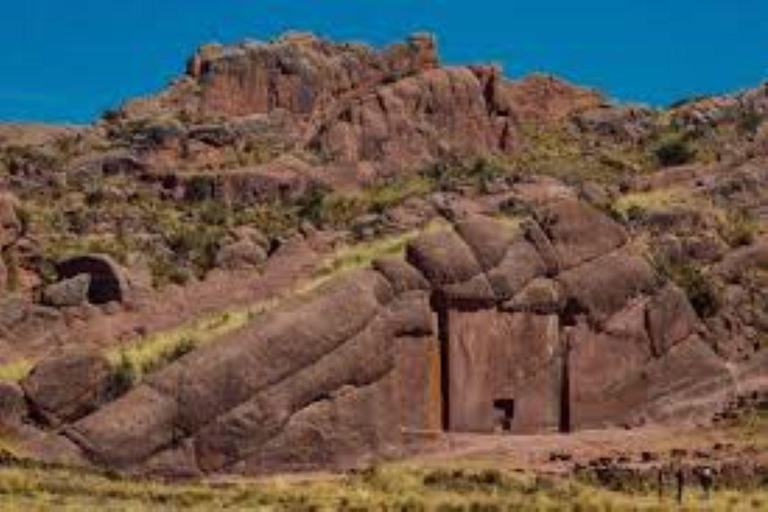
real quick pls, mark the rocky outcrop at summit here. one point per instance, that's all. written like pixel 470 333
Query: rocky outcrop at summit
pixel 362 113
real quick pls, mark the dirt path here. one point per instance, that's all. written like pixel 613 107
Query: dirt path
pixel 557 453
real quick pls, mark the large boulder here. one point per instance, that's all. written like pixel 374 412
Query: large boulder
pixel 488 238
pixel 360 361
pixel 128 430
pixel 401 276
pixel 603 286
pixel 108 282
pixel 67 386
pixel 69 292
pixel 579 232
pixel 344 431
pixel 689 381
pixel 521 264
pixel 443 257
pixel 243 254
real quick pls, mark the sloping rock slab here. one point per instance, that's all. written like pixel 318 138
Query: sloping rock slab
pixel 578 231
pixel 67 386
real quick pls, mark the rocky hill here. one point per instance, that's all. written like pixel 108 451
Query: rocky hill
pixel 305 254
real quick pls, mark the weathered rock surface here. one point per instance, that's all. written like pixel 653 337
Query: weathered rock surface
pixel 671 319
pixel 510 371
pixel 443 258
pixel 241 254
pixel 603 286
pixel 364 113
pixel 401 276
pixel 578 232
pixel 467 333
pixel 67 386
pixel 69 292
pixel 13 406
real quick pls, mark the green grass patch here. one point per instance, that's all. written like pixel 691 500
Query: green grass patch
pixel 15 371
pixel 148 354
pixel 360 255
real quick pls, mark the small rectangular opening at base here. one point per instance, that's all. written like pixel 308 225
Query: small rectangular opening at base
pixel 505 410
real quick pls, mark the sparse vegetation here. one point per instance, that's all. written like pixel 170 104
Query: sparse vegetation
pixel 674 149
pixel 749 121
pixel 637 205
pixel 363 254
pixel 739 228
pixel 26 486
pixel 703 294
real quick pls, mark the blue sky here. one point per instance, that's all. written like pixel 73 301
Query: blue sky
pixel 69 60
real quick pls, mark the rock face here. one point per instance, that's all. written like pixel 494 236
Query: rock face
pixel 364 113
pixel 298 72
pixel 467 336
pixel 12 405
pixel 68 386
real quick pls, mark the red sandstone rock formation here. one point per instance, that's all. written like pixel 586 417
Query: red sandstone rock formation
pixel 467 335
pixel 365 113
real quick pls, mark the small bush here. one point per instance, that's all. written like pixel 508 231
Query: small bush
pixel 124 377
pixel 200 188
pixel 166 272
pixel 310 206
pixel 702 293
pixel 214 213
pixel 674 150
pixel 739 229
pixel 452 176
pixel 196 245
pixel 749 121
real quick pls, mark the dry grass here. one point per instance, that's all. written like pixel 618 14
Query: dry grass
pixel 661 199
pixel 363 254
pixel 392 487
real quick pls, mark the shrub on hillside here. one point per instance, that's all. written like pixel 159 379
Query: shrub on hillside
pixel 749 121
pixel 702 293
pixel 674 150
pixel 739 229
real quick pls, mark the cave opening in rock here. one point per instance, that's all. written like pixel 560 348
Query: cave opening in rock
pixel 505 409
